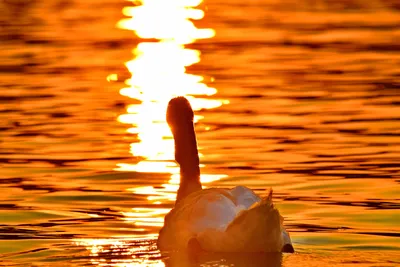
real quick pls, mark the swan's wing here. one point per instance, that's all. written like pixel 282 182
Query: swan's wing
pixel 244 196
pixel 209 209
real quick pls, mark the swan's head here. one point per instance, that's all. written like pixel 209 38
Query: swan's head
pixel 179 112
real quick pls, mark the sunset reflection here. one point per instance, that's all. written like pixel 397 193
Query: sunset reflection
pixel 159 73
pixel 87 169
pixel 121 252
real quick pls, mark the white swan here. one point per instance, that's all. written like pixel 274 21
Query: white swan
pixel 215 219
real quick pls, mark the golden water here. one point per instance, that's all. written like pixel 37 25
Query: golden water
pixel 299 96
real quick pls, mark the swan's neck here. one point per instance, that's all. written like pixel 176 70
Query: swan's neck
pixel 186 155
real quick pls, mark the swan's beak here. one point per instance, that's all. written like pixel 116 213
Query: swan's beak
pixel 287 243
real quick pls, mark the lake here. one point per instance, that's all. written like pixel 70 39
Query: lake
pixel 299 96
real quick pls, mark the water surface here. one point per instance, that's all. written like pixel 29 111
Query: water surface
pixel 299 96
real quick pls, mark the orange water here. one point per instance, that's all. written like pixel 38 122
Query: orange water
pixel 299 96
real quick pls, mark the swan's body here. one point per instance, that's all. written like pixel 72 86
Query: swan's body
pixel 215 219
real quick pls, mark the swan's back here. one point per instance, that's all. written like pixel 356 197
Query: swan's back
pixel 223 220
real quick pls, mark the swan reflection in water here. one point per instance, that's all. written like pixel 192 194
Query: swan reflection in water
pixel 129 253
pixel 224 259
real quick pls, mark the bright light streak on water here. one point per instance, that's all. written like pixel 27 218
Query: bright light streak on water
pixel 158 73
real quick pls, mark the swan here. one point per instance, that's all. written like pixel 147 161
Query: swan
pixel 215 219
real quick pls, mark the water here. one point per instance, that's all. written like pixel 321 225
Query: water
pixel 307 103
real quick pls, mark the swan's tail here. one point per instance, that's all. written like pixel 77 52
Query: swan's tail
pixel 258 229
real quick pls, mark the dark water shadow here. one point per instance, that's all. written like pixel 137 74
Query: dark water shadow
pixel 183 259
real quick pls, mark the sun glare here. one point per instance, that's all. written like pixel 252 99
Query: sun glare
pixel 158 73
pixel 121 252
